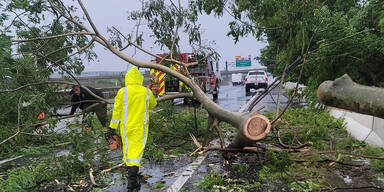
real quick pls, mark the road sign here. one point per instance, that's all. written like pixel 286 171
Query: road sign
pixel 243 63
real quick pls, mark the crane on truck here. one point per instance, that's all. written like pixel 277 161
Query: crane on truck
pixel 203 74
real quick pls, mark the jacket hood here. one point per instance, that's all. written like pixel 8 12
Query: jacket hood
pixel 134 77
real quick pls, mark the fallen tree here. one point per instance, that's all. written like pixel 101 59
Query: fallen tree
pixel 251 126
pixel 345 94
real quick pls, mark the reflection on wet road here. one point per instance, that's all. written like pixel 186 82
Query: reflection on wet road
pixel 233 98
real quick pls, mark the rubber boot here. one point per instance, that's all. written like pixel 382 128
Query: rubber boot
pixel 133 182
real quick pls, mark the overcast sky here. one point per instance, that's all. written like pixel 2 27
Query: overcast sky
pixel 114 13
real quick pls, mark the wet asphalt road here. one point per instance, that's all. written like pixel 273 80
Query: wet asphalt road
pixel 233 97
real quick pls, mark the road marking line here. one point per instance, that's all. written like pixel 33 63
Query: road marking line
pixel 180 181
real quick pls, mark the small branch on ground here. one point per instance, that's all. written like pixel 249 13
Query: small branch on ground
pixel 110 169
pixel 198 145
pixel 258 147
pixel 335 161
pixel 92 177
pixel 309 143
pixel 216 125
pixel 10 159
pixel 345 153
pixel 353 188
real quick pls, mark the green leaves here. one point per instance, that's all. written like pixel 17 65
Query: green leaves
pixel 344 37
pixel 163 19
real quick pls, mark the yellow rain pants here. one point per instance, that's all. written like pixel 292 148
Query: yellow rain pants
pixel 130 109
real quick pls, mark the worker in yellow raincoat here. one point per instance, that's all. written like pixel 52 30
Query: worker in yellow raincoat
pixel 132 103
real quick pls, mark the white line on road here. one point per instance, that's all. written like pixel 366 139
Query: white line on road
pixel 180 181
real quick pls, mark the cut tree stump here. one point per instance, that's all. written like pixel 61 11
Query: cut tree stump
pixel 345 94
pixel 255 127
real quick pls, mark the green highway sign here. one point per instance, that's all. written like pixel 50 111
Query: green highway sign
pixel 243 63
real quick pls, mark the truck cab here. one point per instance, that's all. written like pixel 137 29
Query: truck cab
pixel 203 74
pixel 255 79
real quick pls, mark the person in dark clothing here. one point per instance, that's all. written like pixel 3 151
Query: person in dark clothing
pixel 83 100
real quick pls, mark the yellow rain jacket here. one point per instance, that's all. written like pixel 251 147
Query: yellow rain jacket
pixel 132 103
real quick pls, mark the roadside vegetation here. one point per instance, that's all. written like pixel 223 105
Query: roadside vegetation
pixel 333 155
pixel 53 167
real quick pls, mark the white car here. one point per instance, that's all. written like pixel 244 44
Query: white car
pixel 256 79
pixel 237 79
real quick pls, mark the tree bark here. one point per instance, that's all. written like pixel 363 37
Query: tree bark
pixel 345 94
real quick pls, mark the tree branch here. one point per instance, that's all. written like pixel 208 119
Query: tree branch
pixel 79 50
pixel 278 116
pixel 57 82
pixel 14 19
pixel 93 25
pixel 280 89
pixel 53 37
pixel 61 67
pixel 18 123
pixel 88 18
pixel 170 97
pixel 345 153
pixel 37 83
pixel 263 94
pixel 176 32
pixel 249 25
pixel 58 50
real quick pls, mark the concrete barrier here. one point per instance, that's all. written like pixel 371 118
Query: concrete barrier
pixel 362 127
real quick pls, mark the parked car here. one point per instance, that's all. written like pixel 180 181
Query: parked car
pixel 255 79
pixel 237 79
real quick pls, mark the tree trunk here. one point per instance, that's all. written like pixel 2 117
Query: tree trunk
pixel 250 128
pixel 254 128
pixel 345 94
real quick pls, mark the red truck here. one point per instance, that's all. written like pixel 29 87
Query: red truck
pixel 203 74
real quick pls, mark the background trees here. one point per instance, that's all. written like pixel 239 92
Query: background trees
pixel 341 37
pixel 329 37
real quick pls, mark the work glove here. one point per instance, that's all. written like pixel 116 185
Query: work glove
pixel 109 133
pixel 112 139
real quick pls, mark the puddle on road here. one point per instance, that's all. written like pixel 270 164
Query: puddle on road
pixel 354 178
pixel 165 172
